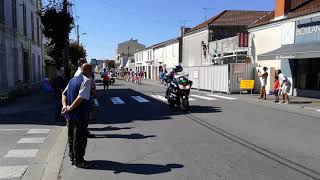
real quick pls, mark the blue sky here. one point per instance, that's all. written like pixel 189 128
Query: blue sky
pixel 109 22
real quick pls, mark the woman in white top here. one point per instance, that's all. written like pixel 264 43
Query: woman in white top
pixel 263 79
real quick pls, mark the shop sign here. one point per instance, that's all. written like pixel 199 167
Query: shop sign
pixel 308 30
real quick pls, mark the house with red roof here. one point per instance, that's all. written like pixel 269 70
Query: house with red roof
pixel 288 38
pixel 195 42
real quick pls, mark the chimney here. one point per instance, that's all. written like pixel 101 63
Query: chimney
pixel 282 8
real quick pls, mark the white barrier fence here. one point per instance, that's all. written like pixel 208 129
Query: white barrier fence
pixel 220 78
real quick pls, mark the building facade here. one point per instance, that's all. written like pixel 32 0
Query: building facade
pixel 21 56
pixel 289 39
pixel 196 41
pixel 151 60
pixel 126 50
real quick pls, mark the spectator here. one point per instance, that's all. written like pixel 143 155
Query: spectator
pixel 263 80
pixel 81 61
pixel 75 101
pixel 276 89
pixel 285 86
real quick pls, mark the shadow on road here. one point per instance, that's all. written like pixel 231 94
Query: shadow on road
pixel 109 128
pixel 144 169
pixel 123 136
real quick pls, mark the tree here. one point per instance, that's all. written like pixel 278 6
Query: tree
pixel 76 52
pixel 57 24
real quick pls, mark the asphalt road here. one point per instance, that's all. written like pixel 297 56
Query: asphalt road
pixel 141 138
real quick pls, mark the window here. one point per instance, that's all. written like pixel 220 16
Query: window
pixel 14 14
pixel 1 10
pixel 38 31
pixel 32 26
pixel 25 32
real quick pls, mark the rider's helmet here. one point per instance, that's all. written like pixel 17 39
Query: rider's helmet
pixel 178 68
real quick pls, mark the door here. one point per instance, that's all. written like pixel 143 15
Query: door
pixel 26 67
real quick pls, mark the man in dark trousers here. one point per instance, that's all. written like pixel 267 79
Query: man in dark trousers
pixel 75 101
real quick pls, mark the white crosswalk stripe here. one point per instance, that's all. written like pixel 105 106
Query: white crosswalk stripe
pixel 8 172
pixel 117 100
pixel 140 99
pixel 159 97
pixel 204 97
pixel 38 131
pixel 37 140
pixel 222 97
pixel 22 153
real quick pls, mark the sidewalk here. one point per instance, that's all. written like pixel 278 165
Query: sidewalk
pixel 35 102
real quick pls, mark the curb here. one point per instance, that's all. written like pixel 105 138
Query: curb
pixel 56 156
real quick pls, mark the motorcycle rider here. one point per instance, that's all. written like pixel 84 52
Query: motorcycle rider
pixel 171 78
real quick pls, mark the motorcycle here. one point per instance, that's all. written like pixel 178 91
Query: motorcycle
pixel 178 90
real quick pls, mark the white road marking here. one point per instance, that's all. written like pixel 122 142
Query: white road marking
pixel 190 99
pixel 116 100
pixel 7 172
pixel 38 131
pixel 159 97
pixel 204 97
pixel 22 153
pixel 14 129
pixel 31 140
pixel 223 97
pixel 96 102
pixel 140 99
pixel 318 110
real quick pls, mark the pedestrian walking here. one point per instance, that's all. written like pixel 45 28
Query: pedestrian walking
pixel 285 86
pixel 276 88
pixel 263 80
pixel 161 76
pixel 75 101
pixel 106 79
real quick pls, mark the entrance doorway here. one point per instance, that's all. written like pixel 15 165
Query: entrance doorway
pixel 306 77
pixel 26 67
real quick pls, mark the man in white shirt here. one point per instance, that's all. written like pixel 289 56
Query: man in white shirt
pixel 285 86
pixel 81 61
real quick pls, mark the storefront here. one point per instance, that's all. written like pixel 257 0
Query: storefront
pixel 302 57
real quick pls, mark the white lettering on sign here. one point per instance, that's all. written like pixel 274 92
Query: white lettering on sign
pixel 308 30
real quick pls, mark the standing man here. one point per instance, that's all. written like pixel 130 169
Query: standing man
pixel 81 61
pixel 75 101
pixel 263 79
pixel 285 87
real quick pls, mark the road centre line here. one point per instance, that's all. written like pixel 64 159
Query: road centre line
pixel 223 97
pixel 204 97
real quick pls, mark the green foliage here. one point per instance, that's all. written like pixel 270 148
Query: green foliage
pixel 58 23
pixel 76 52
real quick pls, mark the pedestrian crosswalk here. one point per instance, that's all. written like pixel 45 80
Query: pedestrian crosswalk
pixel 146 99
pixel 32 138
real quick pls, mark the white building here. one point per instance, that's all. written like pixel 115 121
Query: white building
pixel 164 55
pixel 20 42
pixel 289 39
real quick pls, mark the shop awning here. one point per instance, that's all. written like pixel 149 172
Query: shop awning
pixel 294 51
